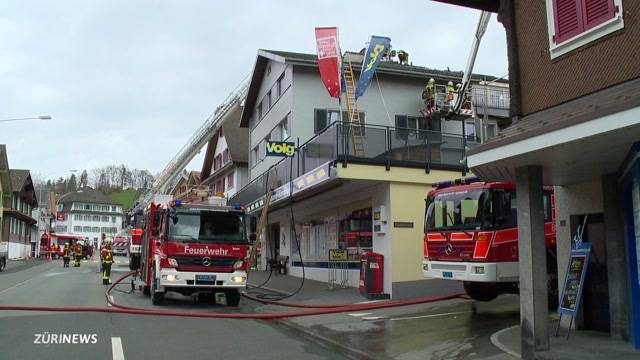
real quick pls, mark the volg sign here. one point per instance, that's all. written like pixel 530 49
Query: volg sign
pixel 280 148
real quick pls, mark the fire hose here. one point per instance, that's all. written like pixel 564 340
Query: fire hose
pixel 318 310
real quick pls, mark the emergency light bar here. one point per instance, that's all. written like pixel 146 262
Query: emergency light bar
pixel 461 181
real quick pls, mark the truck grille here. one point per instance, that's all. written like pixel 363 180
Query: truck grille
pixel 216 262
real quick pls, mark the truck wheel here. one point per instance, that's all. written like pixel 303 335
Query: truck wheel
pixel 233 297
pixel 156 297
pixel 481 291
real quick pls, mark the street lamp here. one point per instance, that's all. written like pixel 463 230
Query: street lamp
pixel 41 117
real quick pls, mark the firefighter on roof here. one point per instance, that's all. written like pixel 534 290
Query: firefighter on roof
pixel 107 259
pixel 403 57
pixel 66 253
pixel 78 252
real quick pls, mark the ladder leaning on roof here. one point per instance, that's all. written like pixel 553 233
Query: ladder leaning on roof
pixel 355 127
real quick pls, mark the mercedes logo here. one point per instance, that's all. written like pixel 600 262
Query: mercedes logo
pixel 448 249
pixel 206 261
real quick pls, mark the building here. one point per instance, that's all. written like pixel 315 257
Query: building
pixel 225 167
pixel 187 182
pixel 332 194
pixel 44 215
pixel 90 213
pixel 575 104
pixel 17 221
pixel 5 195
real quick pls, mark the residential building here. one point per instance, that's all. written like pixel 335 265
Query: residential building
pixel 225 167
pixel 5 195
pixel 17 220
pixel 90 213
pixel 575 104
pixel 188 181
pixel 332 194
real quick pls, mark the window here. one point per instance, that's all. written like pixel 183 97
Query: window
pixel 77 228
pixel 225 156
pixel 280 85
pixel 230 181
pixel 323 118
pixel 470 130
pixel 320 120
pixel 95 229
pixel 254 156
pixel 405 123
pixel 86 228
pixel 284 127
pixel 259 112
pixel 105 219
pixel 492 130
pixel 113 219
pixel 268 103
pixel 574 23
pixel 220 132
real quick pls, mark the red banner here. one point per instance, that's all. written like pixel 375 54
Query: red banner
pixel 329 59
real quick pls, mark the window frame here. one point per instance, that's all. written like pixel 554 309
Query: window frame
pixel 586 36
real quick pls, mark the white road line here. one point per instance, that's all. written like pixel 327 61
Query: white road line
pixel 373 317
pixel 359 314
pixel 110 298
pixel 496 342
pixel 116 348
pixel 429 316
pixel 369 302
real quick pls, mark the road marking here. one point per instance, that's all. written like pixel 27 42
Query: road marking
pixel 108 303
pixel 359 314
pixel 429 316
pixel 496 342
pixel 116 348
pixel 369 302
pixel 374 317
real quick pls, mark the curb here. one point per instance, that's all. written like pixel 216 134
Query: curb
pixel 496 342
pixel 325 342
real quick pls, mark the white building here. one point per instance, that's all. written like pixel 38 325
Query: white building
pixel 90 213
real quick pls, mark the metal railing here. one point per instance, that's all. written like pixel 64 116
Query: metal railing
pixel 495 98
pixel 383 145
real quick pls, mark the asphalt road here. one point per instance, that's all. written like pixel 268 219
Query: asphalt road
pixel 30 335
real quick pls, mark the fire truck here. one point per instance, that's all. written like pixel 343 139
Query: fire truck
pixel 193 249
pixel 471 235
pixel 134 248
pixel 120 245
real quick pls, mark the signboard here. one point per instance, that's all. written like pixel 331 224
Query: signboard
pixel 338 255
pixel 329 59
pixel 379 220
pixel 281 148
pixel 574 280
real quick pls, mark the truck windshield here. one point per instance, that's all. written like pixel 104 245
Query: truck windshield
pixel 463 209
pixel 207 227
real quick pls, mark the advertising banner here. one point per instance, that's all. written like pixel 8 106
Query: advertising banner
pixel 377 46
pixel 329 59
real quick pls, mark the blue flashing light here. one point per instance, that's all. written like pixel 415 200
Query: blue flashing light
pixel 178 202
pixel 237 206
pixel 448 183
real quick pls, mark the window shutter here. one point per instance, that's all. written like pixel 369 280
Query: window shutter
pixel 567 18
pixel 595 12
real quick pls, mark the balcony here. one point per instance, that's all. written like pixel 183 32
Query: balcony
pixel 493 101
pixel 370 144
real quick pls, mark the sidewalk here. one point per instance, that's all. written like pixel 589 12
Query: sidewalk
pixel 582 344
pixel 17 265
pixel 312 292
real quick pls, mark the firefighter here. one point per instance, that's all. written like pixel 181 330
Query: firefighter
pixel 78 254
pixel 428 95
pixel 403 57
pixel 66 253
pixel 107 259
pixel 450 91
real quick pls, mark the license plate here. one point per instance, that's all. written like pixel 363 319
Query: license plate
pixel 205 278
pixel 447 274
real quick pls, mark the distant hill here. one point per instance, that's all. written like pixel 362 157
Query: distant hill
pixel 126 198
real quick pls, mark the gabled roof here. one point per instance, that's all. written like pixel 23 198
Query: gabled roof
pixel 310 60
pixel 18 179
pixel 88 195
pixel 486 5
pixel 237 141
pixel 5 179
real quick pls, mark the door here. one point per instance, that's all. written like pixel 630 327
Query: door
pixel 274 242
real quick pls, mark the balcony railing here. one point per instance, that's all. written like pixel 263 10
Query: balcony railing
pixel 379 145
pixel 494 98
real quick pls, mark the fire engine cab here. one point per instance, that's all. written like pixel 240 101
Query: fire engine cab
pixel 193 249
pixel 471 235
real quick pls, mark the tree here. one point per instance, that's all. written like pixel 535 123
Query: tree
pixel 84 179
pixel 72 184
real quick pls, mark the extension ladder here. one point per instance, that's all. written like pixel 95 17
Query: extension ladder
pixel 355 125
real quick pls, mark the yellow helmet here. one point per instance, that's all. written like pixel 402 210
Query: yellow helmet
pixel 450 83
pixel 432 80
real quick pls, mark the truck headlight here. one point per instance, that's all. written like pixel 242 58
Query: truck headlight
pixel 238 279
pixel 170 277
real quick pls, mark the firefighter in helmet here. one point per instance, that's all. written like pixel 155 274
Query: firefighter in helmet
pixel 66 253
pixel 78 253
pixel 107 259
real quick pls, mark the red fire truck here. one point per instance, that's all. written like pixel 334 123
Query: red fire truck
pixel 471 235
pixel 193 249
pixel 134 248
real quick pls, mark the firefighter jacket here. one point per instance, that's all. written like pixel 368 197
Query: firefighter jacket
pixel 67 251
pixel 107 256
pixel 78 249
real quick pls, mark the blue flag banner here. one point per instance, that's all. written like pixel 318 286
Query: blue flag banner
pixel 377 46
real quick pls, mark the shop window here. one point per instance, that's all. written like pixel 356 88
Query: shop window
pixel 412 127
pixel 356 233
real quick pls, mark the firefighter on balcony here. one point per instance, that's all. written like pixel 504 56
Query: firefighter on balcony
pixel 428 96
pixel 107 259
pixel 66 254
pixel 403 57
pixel 78 252
pixel 451 90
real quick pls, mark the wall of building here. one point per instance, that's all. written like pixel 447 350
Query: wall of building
pixel 605 62
pixel 577 199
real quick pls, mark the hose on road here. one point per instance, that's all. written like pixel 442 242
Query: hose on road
pixel 322 310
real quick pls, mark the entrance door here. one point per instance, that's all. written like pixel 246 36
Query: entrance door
pixel 274 242
pixel 595 299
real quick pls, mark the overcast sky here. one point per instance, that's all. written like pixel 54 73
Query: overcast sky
pixel 129 81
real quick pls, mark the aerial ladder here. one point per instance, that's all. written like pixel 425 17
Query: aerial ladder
pixel 355 126
pixel 171 173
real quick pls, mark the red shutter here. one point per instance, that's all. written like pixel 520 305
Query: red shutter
pixel 595 12
pixel 567 16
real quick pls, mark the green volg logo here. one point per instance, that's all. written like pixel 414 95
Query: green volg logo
pixel 280 148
